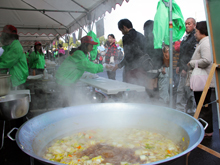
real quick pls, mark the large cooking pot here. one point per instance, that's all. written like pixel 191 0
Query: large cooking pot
pixel 35 134
pixel 5 84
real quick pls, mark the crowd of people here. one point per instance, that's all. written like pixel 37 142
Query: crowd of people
pixel 194 48
pixel 142 64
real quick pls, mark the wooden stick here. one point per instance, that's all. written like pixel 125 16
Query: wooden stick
pixel 202 98
pixel 187 158
pixel 209 150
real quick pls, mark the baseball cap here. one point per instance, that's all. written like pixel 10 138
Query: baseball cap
pixel 88 39
pixel 37 43
pixel 10 29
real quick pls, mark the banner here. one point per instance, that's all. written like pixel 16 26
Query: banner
pixel 100 28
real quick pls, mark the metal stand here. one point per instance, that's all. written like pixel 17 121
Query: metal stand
pixel 3 135
pixel 171 54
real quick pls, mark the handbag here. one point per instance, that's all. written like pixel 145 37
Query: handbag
pixel 198 78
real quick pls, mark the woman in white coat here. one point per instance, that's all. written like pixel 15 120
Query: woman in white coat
pixel 203 56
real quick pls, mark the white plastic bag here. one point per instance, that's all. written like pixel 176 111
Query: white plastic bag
pixel 198 78
pixel 108 67
pixel 112 61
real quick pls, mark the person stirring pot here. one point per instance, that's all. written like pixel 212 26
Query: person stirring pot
pixel 13 56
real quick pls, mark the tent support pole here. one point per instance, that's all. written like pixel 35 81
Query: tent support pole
pixel 44 14
pixel 78 22
pixel 42 10
pixel 171 54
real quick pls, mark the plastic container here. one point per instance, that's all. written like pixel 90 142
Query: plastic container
pixel 45 73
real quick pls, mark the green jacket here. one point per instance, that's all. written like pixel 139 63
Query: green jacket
pixel 36 60
pixel 14 59
pixel 161 24
pixel 73 68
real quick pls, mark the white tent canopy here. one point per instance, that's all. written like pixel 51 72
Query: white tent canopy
pixel 43 20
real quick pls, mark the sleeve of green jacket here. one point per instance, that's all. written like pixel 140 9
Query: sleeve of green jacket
pixel 12 57
pixel 89 66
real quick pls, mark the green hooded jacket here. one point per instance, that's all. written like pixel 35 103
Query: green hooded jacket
pixel 36 60
pixel 14 59
pixel 73 68
pixel 94 51
pixel 161 24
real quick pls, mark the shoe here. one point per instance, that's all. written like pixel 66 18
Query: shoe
pixel 208 134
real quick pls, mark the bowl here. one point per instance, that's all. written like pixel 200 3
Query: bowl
pixel 14 106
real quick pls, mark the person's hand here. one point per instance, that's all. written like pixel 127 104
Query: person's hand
pixel 177 70
pixel 183 73
pixel 164 70
pixel 189 66
pixel 115 68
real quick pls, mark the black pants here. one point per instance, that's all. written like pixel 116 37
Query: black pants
pixel 111 75
pixel 206 112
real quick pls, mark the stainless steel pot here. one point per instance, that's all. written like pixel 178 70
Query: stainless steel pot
pixel 34 135
pixel 14 106
pixel 5 84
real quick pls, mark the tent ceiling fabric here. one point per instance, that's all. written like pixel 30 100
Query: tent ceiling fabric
pixel 52 23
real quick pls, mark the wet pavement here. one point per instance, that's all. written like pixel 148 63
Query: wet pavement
pixel 12 155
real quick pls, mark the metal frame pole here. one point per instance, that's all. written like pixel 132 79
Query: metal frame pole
pixel 171 54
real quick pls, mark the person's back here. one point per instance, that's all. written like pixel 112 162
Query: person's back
pixel 134 46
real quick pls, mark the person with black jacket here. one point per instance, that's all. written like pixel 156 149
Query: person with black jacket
pixel 134 44
pixel 185 96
